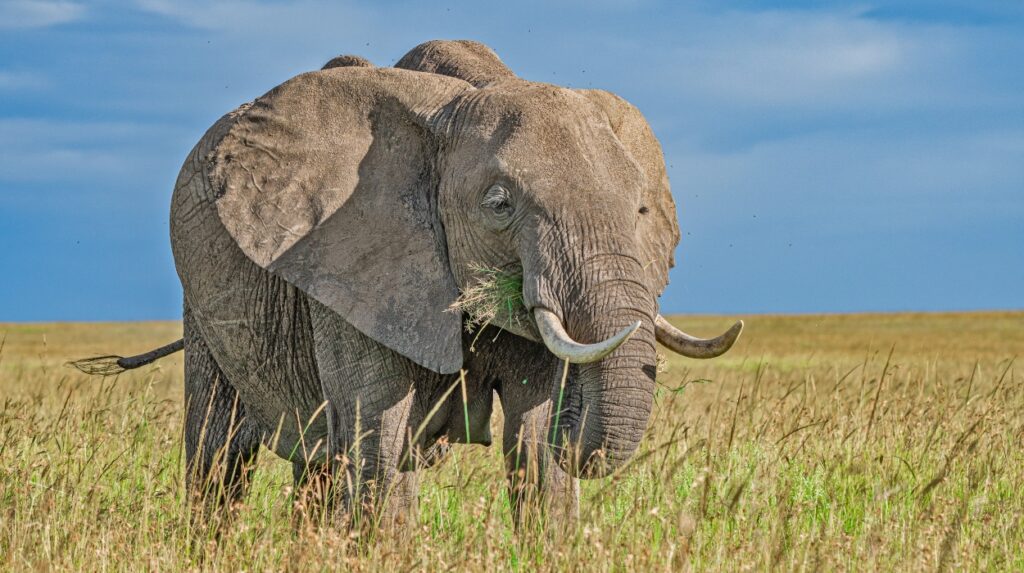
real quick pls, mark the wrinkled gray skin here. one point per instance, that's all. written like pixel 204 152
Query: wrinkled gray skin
pixel 321 232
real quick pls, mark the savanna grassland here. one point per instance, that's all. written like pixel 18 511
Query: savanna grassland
pixel 853 442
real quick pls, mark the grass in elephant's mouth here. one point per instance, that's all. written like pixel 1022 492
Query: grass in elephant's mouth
pixel 798 450
pixel 496 298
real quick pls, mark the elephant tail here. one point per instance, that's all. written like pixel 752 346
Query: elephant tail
pixel 111 365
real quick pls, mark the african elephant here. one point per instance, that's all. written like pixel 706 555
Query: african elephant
pixel 322 232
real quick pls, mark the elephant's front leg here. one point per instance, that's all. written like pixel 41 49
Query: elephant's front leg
pixel 370 392
pixel 537 485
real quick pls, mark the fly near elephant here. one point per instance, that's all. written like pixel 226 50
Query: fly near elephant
pixel 323 232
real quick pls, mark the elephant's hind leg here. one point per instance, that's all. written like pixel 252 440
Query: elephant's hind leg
pixel 221 443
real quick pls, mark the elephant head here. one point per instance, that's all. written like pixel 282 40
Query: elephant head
pixel 380 192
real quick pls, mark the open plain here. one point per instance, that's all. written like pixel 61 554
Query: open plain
pixel 821 442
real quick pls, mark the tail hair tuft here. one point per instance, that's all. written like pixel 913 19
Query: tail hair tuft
pixel 99 365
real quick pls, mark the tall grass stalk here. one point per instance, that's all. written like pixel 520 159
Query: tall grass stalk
pixel 761 458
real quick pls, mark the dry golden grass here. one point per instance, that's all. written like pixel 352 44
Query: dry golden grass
pixel 808 447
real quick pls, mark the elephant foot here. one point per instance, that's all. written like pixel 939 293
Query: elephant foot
pixel 400 504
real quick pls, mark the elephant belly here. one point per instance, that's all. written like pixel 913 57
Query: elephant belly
pixel 256 325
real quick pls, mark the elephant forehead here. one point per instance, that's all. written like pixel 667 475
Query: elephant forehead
pixel 543 133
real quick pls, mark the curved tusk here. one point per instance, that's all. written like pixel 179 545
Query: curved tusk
pixel 691 347
pixel 559 343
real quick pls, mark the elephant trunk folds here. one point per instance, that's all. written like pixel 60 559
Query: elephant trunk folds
pixel 601 411
pixel 603 425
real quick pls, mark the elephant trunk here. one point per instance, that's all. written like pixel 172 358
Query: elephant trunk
pixel 601 412
pixel 604 427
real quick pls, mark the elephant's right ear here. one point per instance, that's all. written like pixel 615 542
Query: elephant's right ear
pixel 328 182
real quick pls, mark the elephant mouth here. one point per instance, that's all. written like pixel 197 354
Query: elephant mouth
pixel 496 298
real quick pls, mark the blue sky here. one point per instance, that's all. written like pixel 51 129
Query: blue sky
pixel 826 156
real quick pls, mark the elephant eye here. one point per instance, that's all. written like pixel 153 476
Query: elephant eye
pixel 499 200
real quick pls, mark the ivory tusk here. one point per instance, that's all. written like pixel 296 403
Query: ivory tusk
pixel 692 347
pixel 564 347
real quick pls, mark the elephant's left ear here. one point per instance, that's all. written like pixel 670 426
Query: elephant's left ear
pixel 657 227
pixel 328 181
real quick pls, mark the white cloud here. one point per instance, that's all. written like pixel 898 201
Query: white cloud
pixel 270 22
pixel 605 4
pixel 851 182
pixel 14 81
pixel 819 61
pixel 38 150
pixel 806 59
pixel 261 40
pixel 38 13
pixel 211 16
